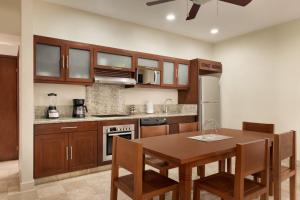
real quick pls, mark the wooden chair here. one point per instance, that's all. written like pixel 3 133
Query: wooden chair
pixel 140 185
pixel 284 148
pixel 257 127
pixel 251 158
pixel 161 165
pixel 190 127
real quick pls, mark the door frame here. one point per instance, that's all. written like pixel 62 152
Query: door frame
pixel 18 91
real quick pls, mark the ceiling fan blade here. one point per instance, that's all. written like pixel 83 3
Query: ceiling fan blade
pixel 238 2
pixel 193 12
pixel 152 3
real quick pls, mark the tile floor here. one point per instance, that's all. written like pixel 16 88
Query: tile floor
pixel 89 187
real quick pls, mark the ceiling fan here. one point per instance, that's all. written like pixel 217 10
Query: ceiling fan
pixel 197 4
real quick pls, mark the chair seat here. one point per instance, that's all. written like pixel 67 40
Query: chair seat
pixel 153 183
pixel 158 163
pixel 222 184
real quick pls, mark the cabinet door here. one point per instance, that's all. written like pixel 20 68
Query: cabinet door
pixel 50 154
pixel 79 63
pixel 109 58
pixel 49 59
pixel 148 63
pixel 83 150
pixel 169 72
pixel 183 75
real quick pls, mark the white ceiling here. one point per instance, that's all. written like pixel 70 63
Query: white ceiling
pixel 232 20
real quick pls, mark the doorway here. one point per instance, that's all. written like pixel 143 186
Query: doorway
pixel 8 108
pixel 9 123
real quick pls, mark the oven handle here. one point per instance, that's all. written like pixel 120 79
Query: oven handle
pixel 119 134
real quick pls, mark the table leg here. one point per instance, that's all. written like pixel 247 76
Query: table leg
pixel 185 182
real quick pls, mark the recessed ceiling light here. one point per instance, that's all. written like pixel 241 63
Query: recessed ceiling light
pixel 170 17
pixel 214 31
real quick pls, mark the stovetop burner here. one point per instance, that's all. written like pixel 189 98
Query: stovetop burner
pixel 111 115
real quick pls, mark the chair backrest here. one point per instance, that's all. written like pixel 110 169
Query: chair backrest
pixel 251 158
pixel 151 131
pixel 128 155
pixel 258 127
pixel 285 147
pixel 188 127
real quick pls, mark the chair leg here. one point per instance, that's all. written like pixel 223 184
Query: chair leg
pixel 196 192
pixel 293 187
pixel 277 190
pixel 221 165
pixel 175 194
pixel 164 172
pixel 271 188
pixel 229 165
pixel 114 193
pixel 201 171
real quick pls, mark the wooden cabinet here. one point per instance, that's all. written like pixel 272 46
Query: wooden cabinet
pixel 175 73
pixel 64 147
pixel 111 58
pixel 197 67
pixel 83 148
pixel 50 154
pixel 61 61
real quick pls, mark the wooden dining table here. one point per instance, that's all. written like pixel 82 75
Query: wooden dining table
pixel 187 153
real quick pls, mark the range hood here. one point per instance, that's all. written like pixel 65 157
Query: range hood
pixel 115 80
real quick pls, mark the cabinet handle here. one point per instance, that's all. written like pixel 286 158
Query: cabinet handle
pixel 68 127
pixel 67 152
pixel 71 155
pixel 63 61
pixel 67 62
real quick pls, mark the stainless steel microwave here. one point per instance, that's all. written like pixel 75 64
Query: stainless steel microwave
pixel 148 76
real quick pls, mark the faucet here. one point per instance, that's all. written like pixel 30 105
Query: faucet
pixel 166 106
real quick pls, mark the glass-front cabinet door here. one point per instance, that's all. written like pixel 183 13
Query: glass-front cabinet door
pixel 78 63
pixel 49 59
pixel 109 58
pixel 183 75
pixel 149 62
pixel 169 72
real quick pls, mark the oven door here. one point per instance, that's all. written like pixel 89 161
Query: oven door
pixel 108 142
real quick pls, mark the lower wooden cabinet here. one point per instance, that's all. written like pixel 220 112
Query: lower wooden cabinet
pixel 50 154
pixel 68 147
pixel 175 121
pixel 83 148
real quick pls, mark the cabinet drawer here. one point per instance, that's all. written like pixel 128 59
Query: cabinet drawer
pixel 65 127
pixel 181 119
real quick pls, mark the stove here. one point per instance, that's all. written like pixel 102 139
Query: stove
pixel 110 115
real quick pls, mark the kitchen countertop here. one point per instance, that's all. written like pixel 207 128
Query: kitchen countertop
pixel 91 118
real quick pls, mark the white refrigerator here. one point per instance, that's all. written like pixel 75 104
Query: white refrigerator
pixel 209 102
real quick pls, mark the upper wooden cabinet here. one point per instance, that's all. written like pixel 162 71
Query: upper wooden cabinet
pixel 208 66
pixel 197 67
pixel 116 59
pixel 60 61
pixel 175 73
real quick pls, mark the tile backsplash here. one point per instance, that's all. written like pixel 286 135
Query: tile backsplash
pixel 108 99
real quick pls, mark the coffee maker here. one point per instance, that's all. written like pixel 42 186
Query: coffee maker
pixel 79 109
pixel 52 112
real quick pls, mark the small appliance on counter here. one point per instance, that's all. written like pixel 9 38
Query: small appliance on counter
pixel 52 112
pixel 79 109
pixel 149 108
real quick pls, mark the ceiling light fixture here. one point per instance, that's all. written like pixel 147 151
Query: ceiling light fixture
pixel 170 17
pixel 214 31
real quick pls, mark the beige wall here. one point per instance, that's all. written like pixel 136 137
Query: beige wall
pixel 66 23
pixel 261 78
pixel 10 17
pixel 9 44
